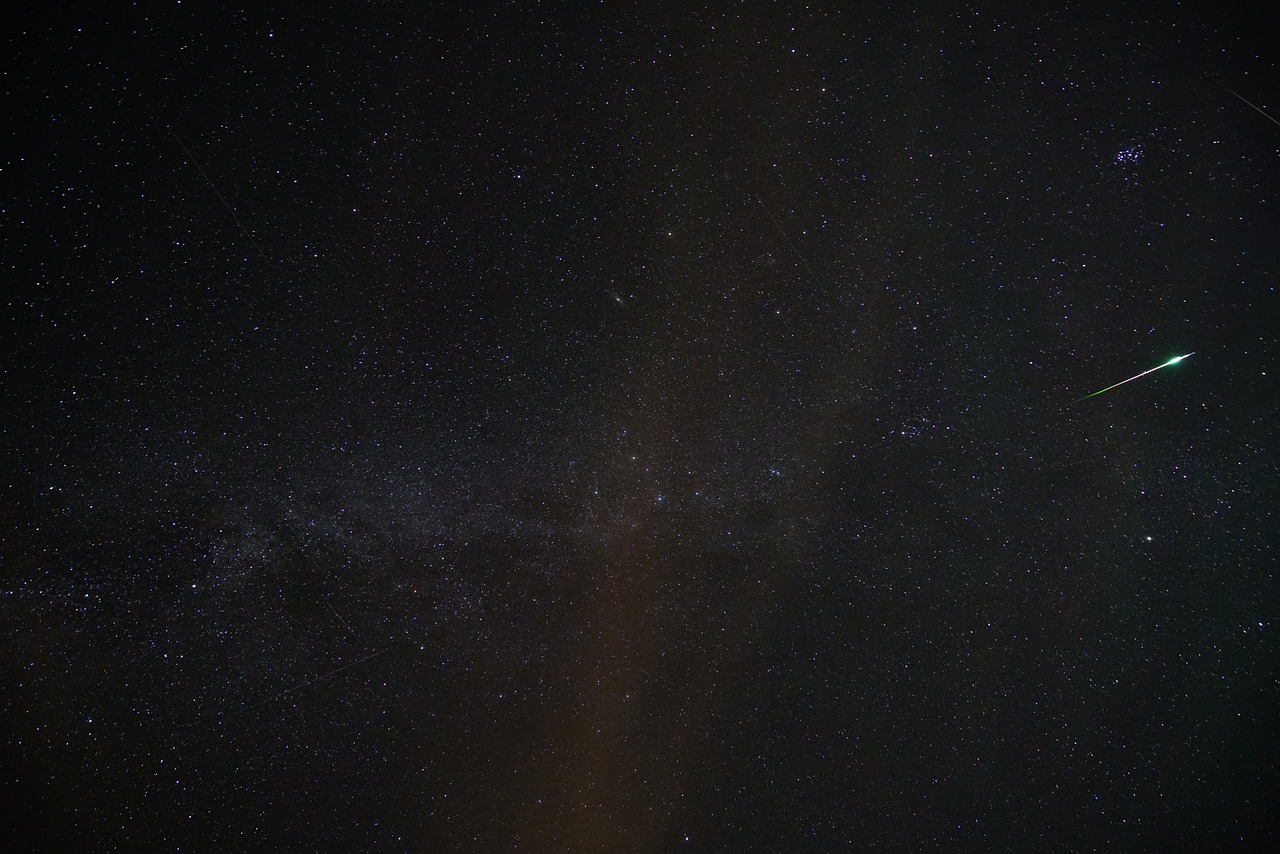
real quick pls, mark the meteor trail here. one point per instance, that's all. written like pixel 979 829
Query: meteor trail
pixel 778 226
pixel 230 209
pixel 1247 101
pixel 323 676
pixel 1175 360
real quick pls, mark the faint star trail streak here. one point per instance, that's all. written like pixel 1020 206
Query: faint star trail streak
pixel 319 678
pixel 203 175
pixel 790 243
pixel 1247 101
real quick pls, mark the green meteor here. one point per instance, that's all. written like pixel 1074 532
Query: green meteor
pixel 1175 360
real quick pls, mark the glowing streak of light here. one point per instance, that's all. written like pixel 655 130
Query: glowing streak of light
pixel 1247 101
pixel 1175 360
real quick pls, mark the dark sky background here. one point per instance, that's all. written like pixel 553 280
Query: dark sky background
pixel 639 427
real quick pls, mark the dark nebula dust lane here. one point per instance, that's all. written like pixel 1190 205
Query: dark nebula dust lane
pixel 639 429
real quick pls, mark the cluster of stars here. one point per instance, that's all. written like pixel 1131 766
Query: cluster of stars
pixel 1132 154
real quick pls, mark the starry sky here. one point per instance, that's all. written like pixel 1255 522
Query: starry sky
pixel 639 427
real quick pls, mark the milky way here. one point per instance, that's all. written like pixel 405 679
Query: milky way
pixel 638 430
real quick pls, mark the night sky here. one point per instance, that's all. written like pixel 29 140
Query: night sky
pixel 635 427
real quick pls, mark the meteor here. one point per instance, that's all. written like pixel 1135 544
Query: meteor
pixel 1175 360
pixel 1250 103
pixel 322 677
